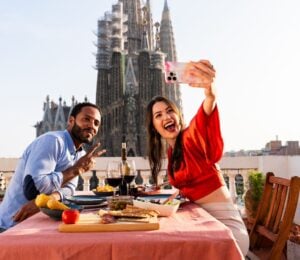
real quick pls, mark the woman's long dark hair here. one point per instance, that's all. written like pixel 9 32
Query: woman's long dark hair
pixel 155 145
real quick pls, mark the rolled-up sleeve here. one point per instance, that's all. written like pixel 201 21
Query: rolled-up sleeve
pixel 45 166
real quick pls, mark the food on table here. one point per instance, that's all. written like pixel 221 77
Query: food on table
pixel 46 201
pixel 164 208
pixel 129 213
pixel 172 202
pixel 119 202
pixel 41 200
pixel 70 216
pixel 55 204
pixel 107 219
pixel 158 201
pixel 139 211
pixel 105 188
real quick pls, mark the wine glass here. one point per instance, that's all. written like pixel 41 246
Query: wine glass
pixel 129 173
pixel 114 175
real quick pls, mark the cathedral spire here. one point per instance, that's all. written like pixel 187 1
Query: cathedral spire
pixel 60 120
pixel 130 74
pixel 167 45
pixel 167 42
pixel 47 111
pixel 166 7
pixel 149 25
pixel 145 42
pixel 131 9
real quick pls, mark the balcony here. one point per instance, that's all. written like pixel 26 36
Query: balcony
pixel 234 177
pixel 234 169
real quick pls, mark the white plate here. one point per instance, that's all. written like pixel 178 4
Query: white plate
pixel 165 210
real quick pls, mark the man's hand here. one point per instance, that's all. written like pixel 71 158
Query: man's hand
pixel 87 162
pixel 26 211
pixel 84 164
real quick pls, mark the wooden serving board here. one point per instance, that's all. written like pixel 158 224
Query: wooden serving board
pixel 90 222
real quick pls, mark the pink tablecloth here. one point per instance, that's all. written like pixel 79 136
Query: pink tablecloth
pixel 190 234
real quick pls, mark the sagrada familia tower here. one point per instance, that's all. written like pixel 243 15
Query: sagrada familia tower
pixel 130 58
pixel 131 51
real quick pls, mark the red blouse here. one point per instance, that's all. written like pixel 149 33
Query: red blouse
pixel 202 146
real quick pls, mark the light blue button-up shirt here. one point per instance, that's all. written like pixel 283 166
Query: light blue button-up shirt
pixel 44 160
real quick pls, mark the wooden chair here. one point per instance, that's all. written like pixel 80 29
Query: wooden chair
pixel 275 215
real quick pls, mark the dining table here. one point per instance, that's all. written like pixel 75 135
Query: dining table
pixel 190 233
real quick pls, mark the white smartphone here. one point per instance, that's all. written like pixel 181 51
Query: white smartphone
pixel 177 72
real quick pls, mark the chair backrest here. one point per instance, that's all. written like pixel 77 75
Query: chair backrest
pixel 275 213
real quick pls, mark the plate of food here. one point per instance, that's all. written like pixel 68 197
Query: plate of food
pixel 104 191
pixel 86 199
pixel 165 210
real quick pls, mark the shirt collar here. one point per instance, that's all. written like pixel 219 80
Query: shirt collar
pixel 70 143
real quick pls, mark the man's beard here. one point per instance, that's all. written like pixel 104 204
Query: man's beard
pixel 77 134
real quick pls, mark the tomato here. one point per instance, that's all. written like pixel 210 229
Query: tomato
pixel 70 216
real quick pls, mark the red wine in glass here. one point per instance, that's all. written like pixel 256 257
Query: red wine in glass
pixel 129 173
pixel 113 174
pixel 114 182
pixel 128 178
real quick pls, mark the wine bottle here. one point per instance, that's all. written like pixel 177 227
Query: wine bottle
pixel 123 185
pixel 124 153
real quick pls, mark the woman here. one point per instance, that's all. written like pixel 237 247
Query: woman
pixel 194 151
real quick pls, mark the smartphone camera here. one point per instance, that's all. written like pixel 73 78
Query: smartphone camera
pixel 172 77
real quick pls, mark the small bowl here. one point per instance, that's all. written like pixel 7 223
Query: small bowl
pixel 165 210
pixel 103 193
pixel 57 213
pixel 119 202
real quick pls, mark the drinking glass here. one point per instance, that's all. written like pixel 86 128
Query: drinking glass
pixel 114 175
pixel 129 173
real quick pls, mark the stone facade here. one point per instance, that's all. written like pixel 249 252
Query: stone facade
pixel 55 115
pixel 131 51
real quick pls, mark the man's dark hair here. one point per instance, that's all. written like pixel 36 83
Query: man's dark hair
pixel 77 108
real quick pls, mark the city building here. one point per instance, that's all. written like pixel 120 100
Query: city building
pixel 273 147
pixel 55 115
pixel 131 51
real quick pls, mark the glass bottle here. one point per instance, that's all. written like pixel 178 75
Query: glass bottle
pixel 123 185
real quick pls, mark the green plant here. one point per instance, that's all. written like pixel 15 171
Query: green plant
pixel 256 181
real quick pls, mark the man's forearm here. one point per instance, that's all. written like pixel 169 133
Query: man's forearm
pixel 69 174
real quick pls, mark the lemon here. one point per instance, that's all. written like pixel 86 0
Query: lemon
pixel 55 204
pixel 41 200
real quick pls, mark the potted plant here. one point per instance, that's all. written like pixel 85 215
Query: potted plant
pixel 256 181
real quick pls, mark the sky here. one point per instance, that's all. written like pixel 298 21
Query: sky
pixel 47 48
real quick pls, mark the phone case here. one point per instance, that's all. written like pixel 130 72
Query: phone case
pixel 177 72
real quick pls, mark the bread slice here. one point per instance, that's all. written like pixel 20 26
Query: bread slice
pixel 130 212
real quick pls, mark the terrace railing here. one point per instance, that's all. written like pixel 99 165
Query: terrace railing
pixel 236 178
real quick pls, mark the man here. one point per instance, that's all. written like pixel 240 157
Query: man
pixel 51 165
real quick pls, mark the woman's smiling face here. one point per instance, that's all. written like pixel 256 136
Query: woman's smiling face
pixel 166 121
